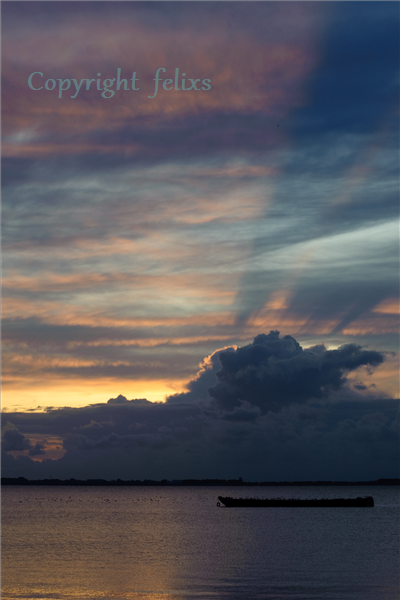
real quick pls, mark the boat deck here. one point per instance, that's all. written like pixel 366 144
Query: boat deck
pixel 295 502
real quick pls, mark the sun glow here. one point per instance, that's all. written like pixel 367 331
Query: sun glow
pixel 36 396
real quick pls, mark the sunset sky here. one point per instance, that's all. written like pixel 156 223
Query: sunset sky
pixel 145 232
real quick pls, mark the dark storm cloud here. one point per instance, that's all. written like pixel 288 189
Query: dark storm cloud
pixel 37 450
pixel 346 438
pixel 197 389
pixel 157 441
pixel 122 400
pixel 273 372
pixel 13 440
pixel 118 415
pixel 265 375
pixel 244 412
pixel 282 413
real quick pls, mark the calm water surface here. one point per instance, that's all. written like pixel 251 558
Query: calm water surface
pixel 165 543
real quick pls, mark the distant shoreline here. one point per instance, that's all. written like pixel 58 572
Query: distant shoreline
pixel 185 482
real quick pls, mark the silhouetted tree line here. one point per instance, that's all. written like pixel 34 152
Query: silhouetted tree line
pixel 184 482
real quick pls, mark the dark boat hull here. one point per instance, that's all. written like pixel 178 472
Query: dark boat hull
pixel 295 502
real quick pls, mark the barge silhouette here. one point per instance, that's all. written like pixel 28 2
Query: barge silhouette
pixel 274 502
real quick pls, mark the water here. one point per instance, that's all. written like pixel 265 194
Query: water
pixel 167 543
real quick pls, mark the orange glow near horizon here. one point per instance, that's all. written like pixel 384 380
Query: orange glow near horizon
pixel 26 366
pixel 59 394
pixel 34 396
pixel 28 392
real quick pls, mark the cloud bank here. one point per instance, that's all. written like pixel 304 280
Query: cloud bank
pixel 267 410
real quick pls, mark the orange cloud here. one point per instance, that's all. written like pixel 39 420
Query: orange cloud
pixel 279 300
pixel 384 379
pixel 384 323
pixel 390 306
pixel 52 447
pixel 14 150
pixel 254 76
pixel 193 286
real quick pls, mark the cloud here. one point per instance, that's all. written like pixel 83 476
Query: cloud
pixel 118 400
pixel 37 450
pixel 344 437
pixel 267 410
pixel 244 412
pixel 122 400
pixel 273 372
pixel 157 441
pixel 261 72
pixel 13 440
pixel 197 389
pixel 284 413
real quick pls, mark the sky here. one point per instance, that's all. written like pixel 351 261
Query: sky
pixel 200 240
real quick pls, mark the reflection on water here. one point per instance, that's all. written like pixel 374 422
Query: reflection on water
pixel 174 543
